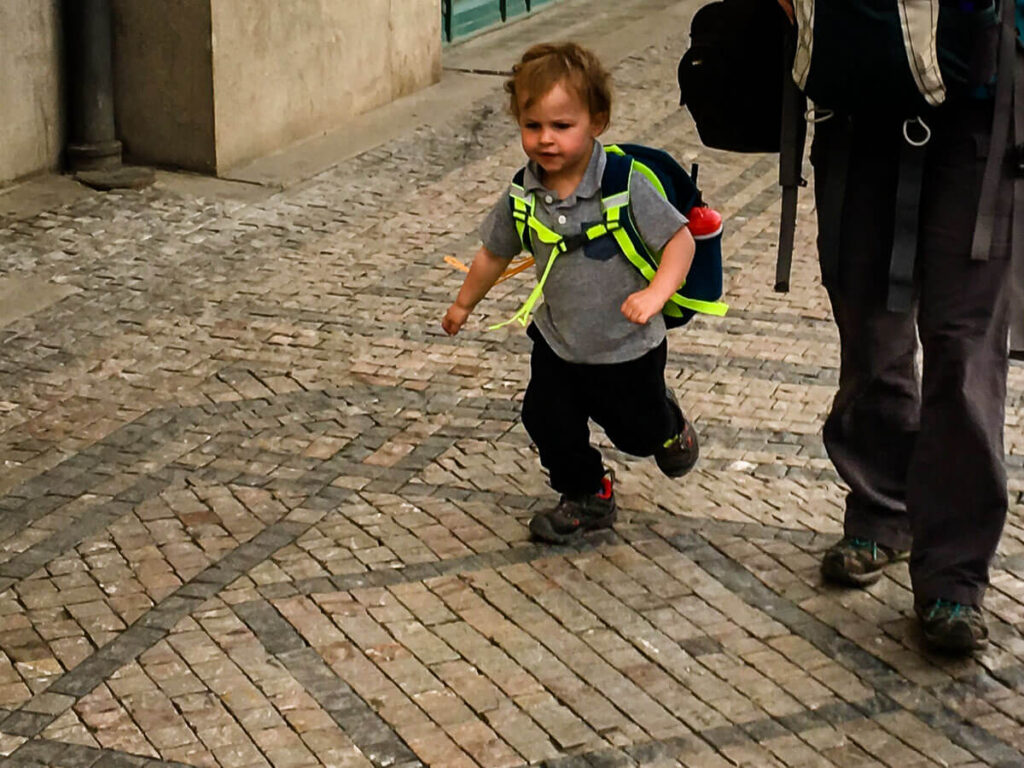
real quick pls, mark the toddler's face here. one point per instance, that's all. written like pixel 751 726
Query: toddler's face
pixel 558 132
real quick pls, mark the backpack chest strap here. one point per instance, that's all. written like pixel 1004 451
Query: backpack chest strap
pixel 529 226
pixel 524 206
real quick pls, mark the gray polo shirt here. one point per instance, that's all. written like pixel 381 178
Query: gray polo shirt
pixel 580 318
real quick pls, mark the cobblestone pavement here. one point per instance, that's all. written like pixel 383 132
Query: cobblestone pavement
pixel 257 509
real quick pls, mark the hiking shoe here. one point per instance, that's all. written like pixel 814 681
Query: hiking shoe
pixel 858 562
pixel 952 628
pixel 679 453
pixel 572 516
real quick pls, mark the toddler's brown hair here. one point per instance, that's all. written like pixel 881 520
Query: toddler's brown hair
pixel 546 64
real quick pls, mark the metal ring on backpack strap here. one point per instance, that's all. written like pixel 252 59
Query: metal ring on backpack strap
pixel 927 132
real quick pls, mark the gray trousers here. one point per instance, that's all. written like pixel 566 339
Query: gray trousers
pixel 922 453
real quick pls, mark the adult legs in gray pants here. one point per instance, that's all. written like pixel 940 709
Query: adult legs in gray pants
pixel 922 454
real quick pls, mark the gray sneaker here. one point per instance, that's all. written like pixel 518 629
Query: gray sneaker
pixel 677 455
pixel 572 516
pixel 952 628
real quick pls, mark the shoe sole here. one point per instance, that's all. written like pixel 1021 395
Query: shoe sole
pixel 936 645
pixel 541 530
pixel 839 575
pixel 679 472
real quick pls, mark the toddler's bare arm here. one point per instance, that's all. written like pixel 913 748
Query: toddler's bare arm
pixel 676 259
pixel 483 273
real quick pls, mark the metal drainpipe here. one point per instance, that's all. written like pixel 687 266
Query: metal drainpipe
pixel 446 18
pixel 93 151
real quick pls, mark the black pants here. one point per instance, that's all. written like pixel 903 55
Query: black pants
pixel 627 399
pixel 923 456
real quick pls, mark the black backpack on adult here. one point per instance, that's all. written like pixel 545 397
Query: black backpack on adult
pixel 734 79
pixel 731 76
pixel 899 59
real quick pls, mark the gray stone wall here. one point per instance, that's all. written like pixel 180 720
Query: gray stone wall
pixel 208 84
pixel 163 82
pixel 284 72
pixel 31 126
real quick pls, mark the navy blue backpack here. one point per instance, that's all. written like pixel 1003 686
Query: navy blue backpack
pixel 703 286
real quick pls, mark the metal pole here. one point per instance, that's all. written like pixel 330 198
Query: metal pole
pixel 446 18
pixel 92 141
pixel 93 151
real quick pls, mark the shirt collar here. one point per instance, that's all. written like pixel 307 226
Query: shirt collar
pixel 589 185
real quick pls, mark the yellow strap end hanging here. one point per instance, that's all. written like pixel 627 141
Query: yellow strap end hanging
pixel 522 316
pixel 514 268
pixel 451 261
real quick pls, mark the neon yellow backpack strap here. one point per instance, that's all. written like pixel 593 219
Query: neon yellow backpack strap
pixel 522 316
pixel 522 206
pixel 652 177
pixel 523 212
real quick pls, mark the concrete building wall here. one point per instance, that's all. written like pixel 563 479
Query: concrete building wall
pixel 163 82
pixel 31 119
pixel 415 41
pixel 286 71
pixel 207 84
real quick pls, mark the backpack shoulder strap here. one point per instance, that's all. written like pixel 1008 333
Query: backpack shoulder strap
pixel 1002 122
pixel 793 135
pixel 522 204
pixel 615 204
pixel 617 169
pixel 614 193
pixel 615 201
pixel 528 226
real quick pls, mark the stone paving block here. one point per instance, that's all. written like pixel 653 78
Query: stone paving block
pixel 121 761
pixel 258 509
pixel 23 723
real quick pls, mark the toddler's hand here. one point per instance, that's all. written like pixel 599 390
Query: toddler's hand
pixel 454 319
pixel 641 306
